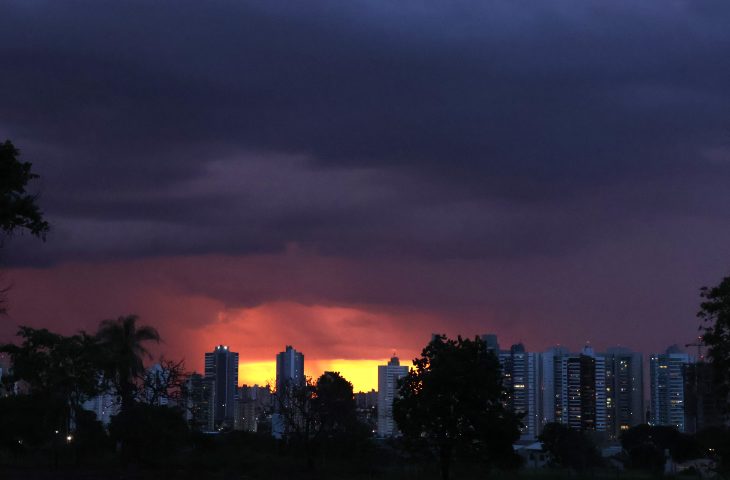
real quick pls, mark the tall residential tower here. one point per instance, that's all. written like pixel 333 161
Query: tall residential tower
pixel 289 374
pixel 388 376
pixel 624 390
pixel 667 378
pixel 221 367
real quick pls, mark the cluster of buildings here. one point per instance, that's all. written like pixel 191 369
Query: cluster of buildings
pixel 605 392
pixel 602 392
pixel 215 402
pixel 587 390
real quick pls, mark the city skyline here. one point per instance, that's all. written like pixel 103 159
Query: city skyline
pixel 585 390
pixel 349 351
pixel 607 392
pixel 363 374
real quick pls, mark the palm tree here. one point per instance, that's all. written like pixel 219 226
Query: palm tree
pixel 123 349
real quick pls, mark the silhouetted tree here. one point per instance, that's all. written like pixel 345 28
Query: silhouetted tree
pixel 715 444
pixel 334 403
pixel 62 369
pixel 150 434
pixel 314 413
pixel 122 344
pixel 89 436
pixel 296 410
pixel 30 421
pixel 646 446
pixel 18 208
pixel 454 399
pixel 715 314
pixel 165 381
pixel 569 448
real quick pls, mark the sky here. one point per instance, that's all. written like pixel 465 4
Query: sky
pixel 350 177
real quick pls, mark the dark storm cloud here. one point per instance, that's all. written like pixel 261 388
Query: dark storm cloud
pixel 461 129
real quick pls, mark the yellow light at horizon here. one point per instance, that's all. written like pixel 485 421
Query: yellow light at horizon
pixel 257 373
pixel 363 374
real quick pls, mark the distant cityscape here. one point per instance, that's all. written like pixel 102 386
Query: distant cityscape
pixel 602 392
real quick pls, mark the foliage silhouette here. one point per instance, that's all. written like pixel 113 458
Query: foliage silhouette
pixel 18 208
pixel 89 437
pixel 646 446
pixel 334 402
pixel 123 350
pixel 163 383
pixel 321 414
pixel 715 443
pixel 715 315
pixel 454 400
pixel 569 448
pixel 150 434
pixel 30 421
pixel 63 370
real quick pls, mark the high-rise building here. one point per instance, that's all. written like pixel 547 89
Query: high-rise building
pixel 624 390
pixel 221 366
pixel 583 385
pixel 251 407
pixel 552 385
pixel 388 376
pixel 667 371
pixel 366 400
pixel 521 379
pixel 289 368
pixel 593 391
pixel 289 374
pixel 366 404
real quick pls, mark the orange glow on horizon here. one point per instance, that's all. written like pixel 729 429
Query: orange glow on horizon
pixel 363 374
pixel 257 373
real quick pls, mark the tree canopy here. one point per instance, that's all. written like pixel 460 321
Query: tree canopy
pixel 52 375
pixel 569 448
pixel 18 208
pixel 715 314
pixel 55 365
pixel 453 400
pixel 334 403
pixel 646 444
pixel 123 346
pixel 317 413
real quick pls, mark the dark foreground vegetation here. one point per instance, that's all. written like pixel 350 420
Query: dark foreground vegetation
pixel 454 423
pixel 241 455
pixel 451 423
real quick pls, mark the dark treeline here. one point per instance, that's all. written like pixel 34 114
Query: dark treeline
pixel 44 423
pixel 450 411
